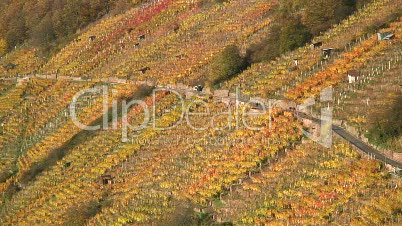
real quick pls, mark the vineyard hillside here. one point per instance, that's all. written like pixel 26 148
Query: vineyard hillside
pixel 201 112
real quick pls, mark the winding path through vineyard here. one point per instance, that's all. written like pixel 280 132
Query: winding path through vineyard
pixel 338 130
pixel 356 142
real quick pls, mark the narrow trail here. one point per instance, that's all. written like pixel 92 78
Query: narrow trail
pixel 357 143
pixel 338 130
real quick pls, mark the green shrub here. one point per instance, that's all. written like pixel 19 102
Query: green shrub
pixel 286 35
pixel 388 126
pixel 293 35
pixel 226 65
pixel 265 50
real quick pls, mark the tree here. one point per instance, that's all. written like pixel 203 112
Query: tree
pixel 388 125
pixel 319 15
pixel 48 23
pixel 43 33
pixel 267 49
pixel 3 46
pixel 227 64
pixel 16 31
pixel 293 35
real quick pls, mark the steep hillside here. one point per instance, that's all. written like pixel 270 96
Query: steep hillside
pixel 47 25
pixel 225 162
pixel 192 33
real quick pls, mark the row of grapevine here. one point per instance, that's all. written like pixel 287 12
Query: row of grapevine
pixel 193 165
pixel 112 34
pixel 25 61
pixel 32 116
pixel 352 60
pixel 88 162
pixel 61 134
pixel 267 79
pixel 6 85
pixel 320 187
pixel 12 103
pixel 186 50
